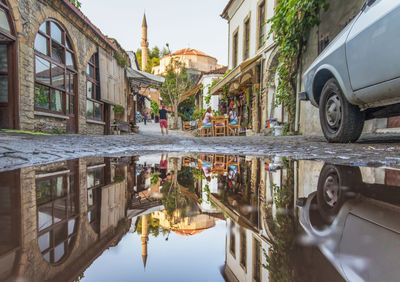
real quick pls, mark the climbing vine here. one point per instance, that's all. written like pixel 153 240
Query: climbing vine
pixel 76 3
pixel 290 27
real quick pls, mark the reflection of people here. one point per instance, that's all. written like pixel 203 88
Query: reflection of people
pixel 163 167
pixel 163 113
pixel 206 167
pixel 232 176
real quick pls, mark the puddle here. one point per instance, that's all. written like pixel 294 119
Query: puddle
pixel 199 217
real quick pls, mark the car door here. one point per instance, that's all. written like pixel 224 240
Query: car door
pixel 373 44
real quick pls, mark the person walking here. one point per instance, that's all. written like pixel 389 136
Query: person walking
pixel 145 116
pixel 163 113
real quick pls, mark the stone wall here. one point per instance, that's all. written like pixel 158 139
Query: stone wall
pixel 28 16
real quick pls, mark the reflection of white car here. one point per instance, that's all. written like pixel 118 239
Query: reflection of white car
pixel 357 77
pixel 357 233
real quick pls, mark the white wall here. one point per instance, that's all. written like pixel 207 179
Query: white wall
pixel 237 22
pixel 207 80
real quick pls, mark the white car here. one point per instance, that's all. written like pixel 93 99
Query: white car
pixel 357 77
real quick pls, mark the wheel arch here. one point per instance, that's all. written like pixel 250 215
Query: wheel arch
pixel 322 75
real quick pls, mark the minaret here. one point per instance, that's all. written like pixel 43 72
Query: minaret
pixel 145 239
pixel 144 44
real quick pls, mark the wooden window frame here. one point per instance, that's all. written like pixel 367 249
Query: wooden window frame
pixel 246 37
pixel 12 72
pixel 255 241
pixel 232 239
pixel 260 24
pixel 71 194
pixel 94 65
pixel 235 48
pixel 243 232
pixel 47 57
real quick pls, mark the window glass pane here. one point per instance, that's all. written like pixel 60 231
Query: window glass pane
pixel 67 104
pixel 57 52
pixel 4 25
pixel 45 218
pixel 42 70
pixel 3 88
pixel 89 109
pixel 97 111
pixel 68 59
pixel 67 79
pixel 56 100
pixel 89 71
pixel 41 44
pixel 3 58
pixel 67 43
pixel 57 74
pixel 43 27
pixel 56 32
pixel 90 90
pixel 42 97
pixel 44 242
pixel 71 104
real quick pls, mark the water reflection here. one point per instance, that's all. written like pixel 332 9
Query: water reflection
pixel 199 217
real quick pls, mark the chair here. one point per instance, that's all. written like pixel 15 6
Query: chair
pixel 219 125
pixel 235 129
pixel 220 165
pixel 204 131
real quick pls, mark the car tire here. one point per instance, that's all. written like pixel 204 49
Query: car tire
pixel 341 121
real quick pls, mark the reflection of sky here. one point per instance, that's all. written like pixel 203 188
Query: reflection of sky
pixel 195 258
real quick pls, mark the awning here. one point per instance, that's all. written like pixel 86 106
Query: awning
pixel 143 79
pixel 235 73
pixel 190 92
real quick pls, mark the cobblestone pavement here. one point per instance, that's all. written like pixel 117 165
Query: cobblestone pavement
pixel 20 150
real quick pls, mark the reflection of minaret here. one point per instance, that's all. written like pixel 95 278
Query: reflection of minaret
pixel 144 44
pixel 145 239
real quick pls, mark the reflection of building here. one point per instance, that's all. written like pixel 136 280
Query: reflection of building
pixel 61 217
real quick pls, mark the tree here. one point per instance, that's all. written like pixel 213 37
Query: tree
pixel 153 58
pixel 176 83
pixel 76 3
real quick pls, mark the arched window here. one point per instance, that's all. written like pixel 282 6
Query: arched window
pixel 8 92
pixel 57 211
pixel 94 108
pixel 55 71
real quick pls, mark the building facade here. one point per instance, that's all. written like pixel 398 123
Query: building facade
pixel 60 74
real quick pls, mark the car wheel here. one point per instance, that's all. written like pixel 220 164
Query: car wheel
pixel 335 186
pixel 341 121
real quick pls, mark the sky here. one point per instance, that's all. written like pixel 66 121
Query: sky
pixel 181 23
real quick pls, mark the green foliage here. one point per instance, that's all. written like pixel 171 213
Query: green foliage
pixel 153 58
pixel 291 26
pixel 155 107
pixel 153 226
pixel 56 130
pixel 186 108
pixel 76 3
pixel 118 109
pixel 154 180
pixel 198 114
pixel 122 60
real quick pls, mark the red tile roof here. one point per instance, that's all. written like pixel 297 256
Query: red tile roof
pixel 217 71
pixel 90 24
pixel 189 51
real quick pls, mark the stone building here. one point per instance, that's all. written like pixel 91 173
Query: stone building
pixel 193 60
pixel 59 73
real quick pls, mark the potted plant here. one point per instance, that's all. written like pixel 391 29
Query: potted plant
pixel 118 112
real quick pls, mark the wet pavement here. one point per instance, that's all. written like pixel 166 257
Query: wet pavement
pixel 199 217
pixel 21 150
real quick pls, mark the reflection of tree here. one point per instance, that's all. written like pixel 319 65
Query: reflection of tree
pixel 280 256
pixel 186 178
pixel 174 201
pixel 154 227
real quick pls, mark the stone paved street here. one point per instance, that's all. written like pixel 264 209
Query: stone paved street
pixel 20 150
